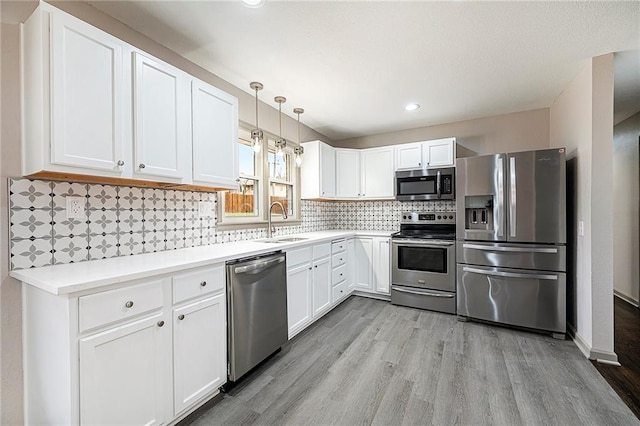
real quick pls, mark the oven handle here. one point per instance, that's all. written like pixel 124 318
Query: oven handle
pixel 511 249
pixel 424 293
pixel 423 243
pixel 511 274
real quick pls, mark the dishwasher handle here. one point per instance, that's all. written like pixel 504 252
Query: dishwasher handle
pixel 258 267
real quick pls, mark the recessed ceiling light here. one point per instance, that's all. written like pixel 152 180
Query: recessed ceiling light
pixel 254 3
pixel 411 107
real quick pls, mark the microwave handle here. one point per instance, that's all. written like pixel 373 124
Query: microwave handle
pixel 438 185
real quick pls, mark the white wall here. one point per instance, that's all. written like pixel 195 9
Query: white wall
pixel 626 208
pixel 581 119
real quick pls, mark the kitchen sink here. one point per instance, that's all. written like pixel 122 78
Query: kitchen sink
pixel 282 240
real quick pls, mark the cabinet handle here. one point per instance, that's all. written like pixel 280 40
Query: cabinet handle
pixel 238 180
pixel 315 266
pixel 419 164
pixel 142 166
pixel 120 163
pixel 203 284
pixel 180 317
pixel 129 304
pixel 160 323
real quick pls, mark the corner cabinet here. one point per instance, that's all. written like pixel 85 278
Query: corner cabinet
pixel 97 106
pixel 427 154
pixel 377 173
pixel 373 260
pixel 146 352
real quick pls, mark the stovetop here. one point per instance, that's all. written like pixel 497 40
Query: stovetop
pixel 431 226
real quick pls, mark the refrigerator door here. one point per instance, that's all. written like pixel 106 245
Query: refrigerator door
pixel 536 196
pixel 523 298
pixel 481 198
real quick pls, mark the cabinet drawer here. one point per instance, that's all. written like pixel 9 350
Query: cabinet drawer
pixel 339 292
pixel 338 246
pixel 321 250
pixel 339 274
pixel 196 283
pixel 299 256
pixel 338 259
pixel 115 305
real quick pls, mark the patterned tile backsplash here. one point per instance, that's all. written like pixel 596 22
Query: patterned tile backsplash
pixel 123 221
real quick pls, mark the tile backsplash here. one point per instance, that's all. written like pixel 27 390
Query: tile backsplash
pixel 123 221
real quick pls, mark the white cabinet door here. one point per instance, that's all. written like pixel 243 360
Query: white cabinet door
pixel 161 120
pixel 125 374
pixel 88 95
pixel 377 172
pixel 327 171
pixel 318 171
pixel 299 297
pixel 440 152
pixel 351 264
pixel 409 156
pixel 200 355
pixel 321 285
pixel 364 259
pixel 382 264
pixel 347 173
pixel 214 121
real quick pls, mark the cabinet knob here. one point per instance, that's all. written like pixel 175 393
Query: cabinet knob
pixel 142 166
pixel 309 267
pixel 120 163
pixel 419 164
pixel 340 274
pixel 238 180
pixel 129 304
pixel 160 323
pixel 315 266
pixel 203 284
pixel 180 317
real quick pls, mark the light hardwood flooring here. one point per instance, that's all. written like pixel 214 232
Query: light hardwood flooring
pixel 370 362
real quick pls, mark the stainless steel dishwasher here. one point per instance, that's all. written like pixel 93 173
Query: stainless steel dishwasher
pixel 257 310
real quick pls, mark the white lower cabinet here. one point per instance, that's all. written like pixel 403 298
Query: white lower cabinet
pixel 299 300
pixel 351 264
pixel 199 355
pixel 364 259
pixel 373 271
pixel 142 353
pixel 125 372
pixel 321 286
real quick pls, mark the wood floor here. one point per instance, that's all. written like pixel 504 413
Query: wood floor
pixel 625 380
pixel 370 362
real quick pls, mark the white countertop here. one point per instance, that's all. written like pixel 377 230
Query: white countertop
pixel 90 275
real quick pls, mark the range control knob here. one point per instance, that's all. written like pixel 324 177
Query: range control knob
pixel 450 217
pixel 439 217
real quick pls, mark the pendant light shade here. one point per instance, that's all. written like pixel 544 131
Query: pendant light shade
pixel 256 134
pixel 298 150
pixel 281 142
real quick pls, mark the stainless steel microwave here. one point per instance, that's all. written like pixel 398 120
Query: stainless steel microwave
pixel 426 184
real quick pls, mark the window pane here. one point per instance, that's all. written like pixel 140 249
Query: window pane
pixel 282 193
pixel 246 159
pixel 279 165
pixel 242 202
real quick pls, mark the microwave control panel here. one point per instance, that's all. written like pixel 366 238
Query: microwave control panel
pixel 447 184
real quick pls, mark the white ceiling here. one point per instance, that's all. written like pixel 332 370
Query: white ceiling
pixel 354 65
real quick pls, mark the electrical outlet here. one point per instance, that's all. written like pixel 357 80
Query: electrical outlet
pixel 205 209
pixel 75 207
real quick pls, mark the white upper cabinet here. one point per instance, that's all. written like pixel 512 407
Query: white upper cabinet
pixel 347 173
pixel 318 171
pixel 95 105
pixel 377 172
pixel 76 95
pixel 429 154
pixel 161 121
pixel 214 118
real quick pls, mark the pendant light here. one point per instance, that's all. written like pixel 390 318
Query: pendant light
pixel 298 150
pixel 280 143
pixel 256 134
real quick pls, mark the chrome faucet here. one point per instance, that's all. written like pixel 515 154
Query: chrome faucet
pixel 271 230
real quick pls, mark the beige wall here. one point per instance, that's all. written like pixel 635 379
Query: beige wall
pixel 626 208
pixel 581 119
pixel 519 131
pixel 10 300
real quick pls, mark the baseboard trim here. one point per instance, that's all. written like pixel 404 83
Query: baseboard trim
pixel 625 297
pixel 604 357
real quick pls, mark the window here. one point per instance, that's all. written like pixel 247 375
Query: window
pixel 263 173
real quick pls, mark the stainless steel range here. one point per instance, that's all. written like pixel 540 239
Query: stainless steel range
pixel 424 261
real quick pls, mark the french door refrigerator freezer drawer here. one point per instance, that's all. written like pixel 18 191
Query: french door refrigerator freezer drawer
pixel 523 298
pixel 521 256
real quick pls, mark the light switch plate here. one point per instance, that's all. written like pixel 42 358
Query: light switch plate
pixel 75 207
pixel 205 209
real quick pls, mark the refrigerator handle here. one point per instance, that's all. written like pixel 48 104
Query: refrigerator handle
pixel 511 274
pixel 500 208
pixel 438 185
pixel 512 196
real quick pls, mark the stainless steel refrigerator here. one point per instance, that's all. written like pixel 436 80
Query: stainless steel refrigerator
pixel 511 232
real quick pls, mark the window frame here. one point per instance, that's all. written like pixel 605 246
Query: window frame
pixel 264 185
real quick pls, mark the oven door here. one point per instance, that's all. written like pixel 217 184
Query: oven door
pixel 428 264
